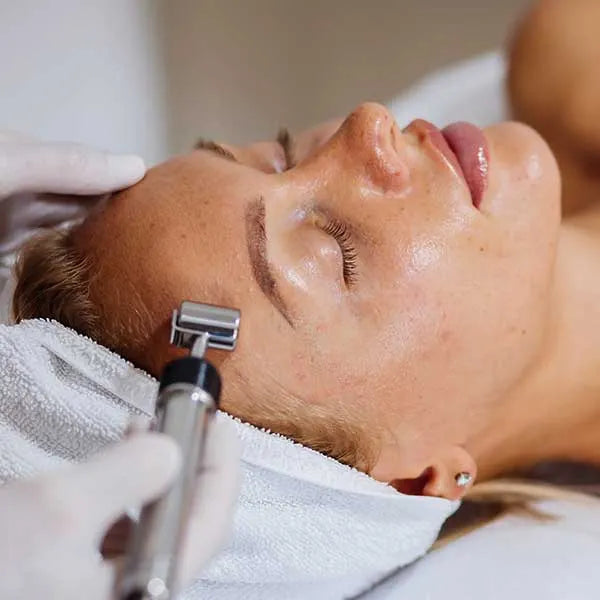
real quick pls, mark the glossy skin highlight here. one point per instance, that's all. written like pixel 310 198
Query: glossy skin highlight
pixel 416 348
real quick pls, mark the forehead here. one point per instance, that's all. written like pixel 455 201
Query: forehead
pixel 189 194
pixel 196 178
pixel 173 235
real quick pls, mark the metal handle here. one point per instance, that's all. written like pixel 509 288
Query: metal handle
pixel 184 411
pixel 188 396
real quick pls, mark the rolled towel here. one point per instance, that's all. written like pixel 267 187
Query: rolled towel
pixel 306 526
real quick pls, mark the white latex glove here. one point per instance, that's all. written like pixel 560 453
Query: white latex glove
pixel 52 526
pixel 30 165
pixel 212 513
pixel 43 184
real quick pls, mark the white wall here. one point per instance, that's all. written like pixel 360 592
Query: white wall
pixel 152 75
pixel 85 70
pixel 240 69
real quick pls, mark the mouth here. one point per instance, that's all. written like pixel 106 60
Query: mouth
pixel 464 146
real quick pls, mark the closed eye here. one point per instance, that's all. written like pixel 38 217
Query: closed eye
pixel 341 233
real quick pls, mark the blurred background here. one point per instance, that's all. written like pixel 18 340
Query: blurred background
pixel 151 76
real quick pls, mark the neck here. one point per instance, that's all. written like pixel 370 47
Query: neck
pixel 554 411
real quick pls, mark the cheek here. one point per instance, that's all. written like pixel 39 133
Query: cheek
pixel 459 330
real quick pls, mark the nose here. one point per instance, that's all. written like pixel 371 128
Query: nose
pixel 373 140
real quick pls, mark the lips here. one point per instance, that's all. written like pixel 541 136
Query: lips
pixel 470 147
pixel 464 146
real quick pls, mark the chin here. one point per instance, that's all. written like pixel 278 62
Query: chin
pixel 524 183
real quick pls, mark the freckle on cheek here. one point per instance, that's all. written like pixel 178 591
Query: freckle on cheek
pixel 446 336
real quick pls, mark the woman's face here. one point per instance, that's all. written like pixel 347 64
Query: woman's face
pixel 371 285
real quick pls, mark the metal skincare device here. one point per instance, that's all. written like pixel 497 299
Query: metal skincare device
pixel 187 399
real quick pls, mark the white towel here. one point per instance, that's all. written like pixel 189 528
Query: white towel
pixel 306 526
pixel 62 397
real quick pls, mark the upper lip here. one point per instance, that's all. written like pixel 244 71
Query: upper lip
pixel 428 132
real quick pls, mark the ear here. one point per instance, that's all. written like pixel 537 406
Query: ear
pixel 425 475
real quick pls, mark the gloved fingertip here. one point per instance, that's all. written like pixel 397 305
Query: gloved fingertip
pixel 125 169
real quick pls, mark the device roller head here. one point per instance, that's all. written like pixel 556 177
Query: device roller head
pixel 214 326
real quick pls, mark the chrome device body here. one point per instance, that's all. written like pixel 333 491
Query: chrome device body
pixel 188 397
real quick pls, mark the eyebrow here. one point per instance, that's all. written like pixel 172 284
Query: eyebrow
pixel 256 241
pixel 284 138
pixel 211 146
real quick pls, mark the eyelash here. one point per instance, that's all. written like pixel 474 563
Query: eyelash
pixel 341 234
pixel 285 140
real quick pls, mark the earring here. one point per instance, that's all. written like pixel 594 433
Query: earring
pixel 463 479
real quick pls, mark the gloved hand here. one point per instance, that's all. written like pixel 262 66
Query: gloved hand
pixel 44 184
pixel 52 525
pixel 29 165
pixel 211 515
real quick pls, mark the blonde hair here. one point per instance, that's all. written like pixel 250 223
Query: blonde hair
pixel 55 281
pixel 489 500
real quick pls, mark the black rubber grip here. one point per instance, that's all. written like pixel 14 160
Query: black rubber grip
pixel 197 371
pixel 135 595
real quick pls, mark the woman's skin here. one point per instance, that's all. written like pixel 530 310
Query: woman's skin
pixel 466 338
